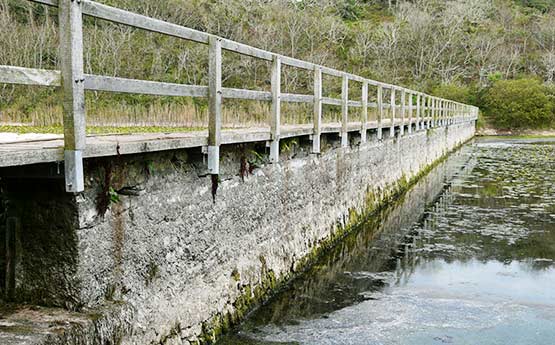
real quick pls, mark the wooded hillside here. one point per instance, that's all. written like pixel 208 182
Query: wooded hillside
pixel 456 49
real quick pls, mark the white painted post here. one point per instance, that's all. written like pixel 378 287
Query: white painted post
pixel 345 111
pixel 392 111
pixel 73 88
pixel 317 110
pixel 380 111
pixel 403 110
pixel 364 119
pixel 410 112
pixel 275 121
pixel 214 103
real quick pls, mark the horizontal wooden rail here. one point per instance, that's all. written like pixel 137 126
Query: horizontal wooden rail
pixel 112 84
pixel 247 94
pixel 29 76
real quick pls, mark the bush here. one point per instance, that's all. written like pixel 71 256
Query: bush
pixel 519 104
pixel 463 94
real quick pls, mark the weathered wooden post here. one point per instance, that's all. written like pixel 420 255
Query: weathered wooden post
pixel 430 113
pixel 410 112
pixel 419 112
pixel 443 105
pixel 380 111
pixel 364 119
pixel 448 112
pixel 214 103
pixel 403 110
pixel 275 121
pixel 444 112
pixel 317 110
pixel 433 117
pixel 439 113
pixel 345 111
pixel 73 88
pixel 392 110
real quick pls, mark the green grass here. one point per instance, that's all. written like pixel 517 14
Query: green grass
pixel 97 129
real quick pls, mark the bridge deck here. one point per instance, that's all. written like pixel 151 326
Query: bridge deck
pixel 26 149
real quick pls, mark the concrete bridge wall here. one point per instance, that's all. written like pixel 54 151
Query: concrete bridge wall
pixel 189 254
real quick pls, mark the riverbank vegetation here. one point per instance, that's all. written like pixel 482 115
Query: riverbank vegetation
pixel 496 54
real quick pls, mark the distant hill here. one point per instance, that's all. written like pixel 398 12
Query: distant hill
pixel 422 44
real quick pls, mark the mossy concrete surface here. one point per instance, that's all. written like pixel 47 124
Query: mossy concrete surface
pixel 30 325
pixel 190 254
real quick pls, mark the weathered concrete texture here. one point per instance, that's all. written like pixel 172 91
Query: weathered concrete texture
pixel 30 325
pixel 189 253
pixel 180 258
pixel 41 218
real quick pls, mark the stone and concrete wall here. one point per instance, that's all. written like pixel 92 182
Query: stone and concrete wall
pixel 191 254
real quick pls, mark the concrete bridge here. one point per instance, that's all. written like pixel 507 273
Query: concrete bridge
pixel 172 238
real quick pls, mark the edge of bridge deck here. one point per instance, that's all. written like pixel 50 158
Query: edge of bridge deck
pixel 27 150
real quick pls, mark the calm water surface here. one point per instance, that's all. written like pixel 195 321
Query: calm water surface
pixel 466 257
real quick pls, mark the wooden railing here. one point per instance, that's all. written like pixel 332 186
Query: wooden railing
pixel 429 111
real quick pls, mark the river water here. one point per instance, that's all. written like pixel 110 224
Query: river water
pixel 467 256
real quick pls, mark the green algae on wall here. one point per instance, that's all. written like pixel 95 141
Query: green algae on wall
pixel 252 297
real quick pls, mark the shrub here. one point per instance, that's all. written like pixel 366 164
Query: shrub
pixel 519 104
pixel 463 94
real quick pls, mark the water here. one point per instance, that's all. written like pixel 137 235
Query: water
pixel 466 257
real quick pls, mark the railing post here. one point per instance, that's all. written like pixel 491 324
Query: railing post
pixel 425 107
pixel 73 88
pixel 430 112
pixel 364 112
pixel 445 108
pixel 410 112
pixel 275 121
pixel 214 104
pixel 317 109
pixel 439 113
pixel 442 112
pixel 448 111
pixel 345 111
pixel 435 111
pixel 380 111
pixel 418 112
pixel 392 111
pixel 403 110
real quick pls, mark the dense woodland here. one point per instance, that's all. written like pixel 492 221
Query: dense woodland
pixel 497 54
